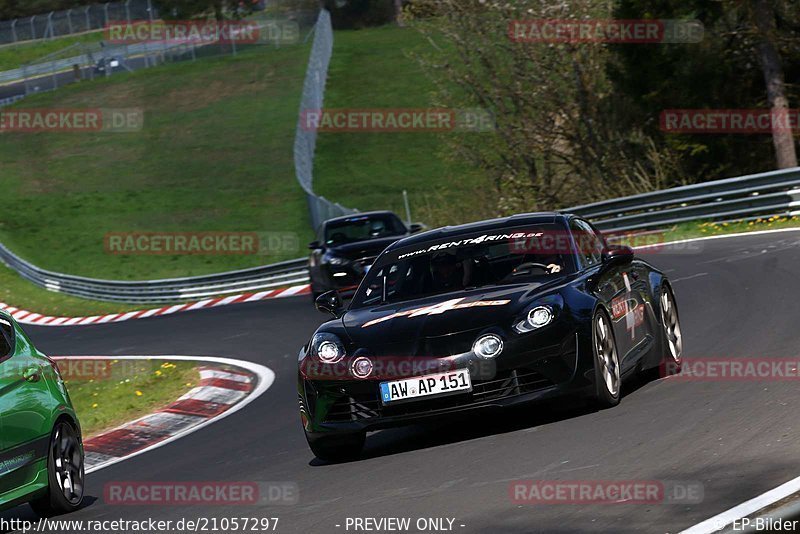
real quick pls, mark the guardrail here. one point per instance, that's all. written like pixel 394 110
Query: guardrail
pixel 756 195
pixel 284 274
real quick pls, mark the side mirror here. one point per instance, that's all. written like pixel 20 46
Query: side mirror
pixel 314 245
pixel 416 227
pixel 329 302
pixel 617 254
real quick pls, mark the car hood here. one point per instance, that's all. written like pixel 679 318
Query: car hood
pixel 362 249
pixel 438 322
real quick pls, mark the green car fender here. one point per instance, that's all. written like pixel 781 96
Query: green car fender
pixel 33 397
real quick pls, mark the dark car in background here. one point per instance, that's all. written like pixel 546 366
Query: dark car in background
pixel 485 315
pixel 346 247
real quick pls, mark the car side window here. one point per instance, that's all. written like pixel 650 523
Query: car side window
pixel 7 339
pixel 590 245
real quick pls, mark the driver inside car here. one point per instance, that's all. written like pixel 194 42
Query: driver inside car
pixel 549 264
pixel 447 273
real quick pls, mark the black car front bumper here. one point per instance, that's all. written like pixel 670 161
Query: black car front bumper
pixel 517 377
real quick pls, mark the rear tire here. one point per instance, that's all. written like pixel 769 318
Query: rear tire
pixel 337 448
pixel 607 377
pixel 65 473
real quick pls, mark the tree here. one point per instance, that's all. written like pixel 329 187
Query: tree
pixel 763 17
pixel 562 136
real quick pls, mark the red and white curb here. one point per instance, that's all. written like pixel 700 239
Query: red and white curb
pixel 226 386
pixel 28 317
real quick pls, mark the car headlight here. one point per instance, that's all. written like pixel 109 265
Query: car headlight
pixel 328 348
pixel 488 346
pixel 361 367
pixel 537 318
pixel 335 260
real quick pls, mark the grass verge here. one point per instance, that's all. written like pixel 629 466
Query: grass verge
pixel 697 229
pixel 214 155
pixel 13 56
pixel 124 390
pixel 375 68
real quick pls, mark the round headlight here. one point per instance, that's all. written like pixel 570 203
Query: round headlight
pixel 488 346
pixel 361 367
pixel 539 317
pixel 329 352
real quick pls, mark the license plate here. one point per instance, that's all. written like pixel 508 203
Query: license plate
pixel 426 386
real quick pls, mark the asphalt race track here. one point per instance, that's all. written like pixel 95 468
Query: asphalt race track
pixel 738 297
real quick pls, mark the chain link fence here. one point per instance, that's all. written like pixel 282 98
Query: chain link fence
pixel 305 140
pixel 76 20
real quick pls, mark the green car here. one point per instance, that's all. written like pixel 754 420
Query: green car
pixel 41 452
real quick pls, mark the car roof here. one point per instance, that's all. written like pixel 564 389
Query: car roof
pixel 360 214
pixel 501 223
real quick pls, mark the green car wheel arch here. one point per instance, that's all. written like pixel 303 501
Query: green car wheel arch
pixel 41 451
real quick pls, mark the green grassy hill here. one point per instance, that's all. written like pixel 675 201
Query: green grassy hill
pixel 375 68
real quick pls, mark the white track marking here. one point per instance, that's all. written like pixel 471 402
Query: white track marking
pixel 265 379
pixel 721 236
pixel 214 373
pixel 698 275
pixel 718 522
pixel 214 394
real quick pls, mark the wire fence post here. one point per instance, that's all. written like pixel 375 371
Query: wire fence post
pixel 105 13
pixel 53 74
pixel 14 30
pixel 88 21
pixel 33 28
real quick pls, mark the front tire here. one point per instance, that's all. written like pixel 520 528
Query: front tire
pixel 337 448
pixel 672 358
pixel 607 378
pixel 65 473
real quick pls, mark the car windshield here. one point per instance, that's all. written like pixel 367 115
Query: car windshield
pixel 363 228
pixel 526 255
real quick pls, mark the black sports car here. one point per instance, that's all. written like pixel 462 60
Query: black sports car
pixel 488 314
pixel 346 247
